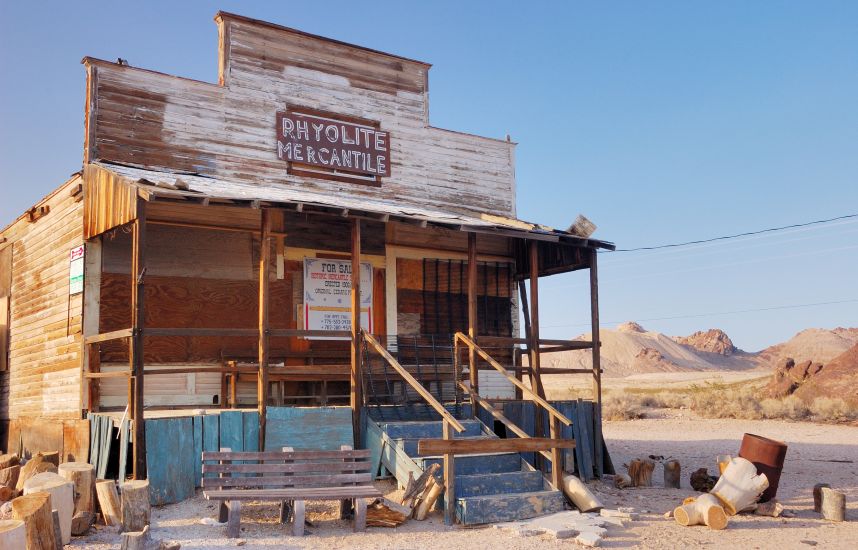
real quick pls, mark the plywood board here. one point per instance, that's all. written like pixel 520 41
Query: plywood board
pixel 311 428
pixel 170 459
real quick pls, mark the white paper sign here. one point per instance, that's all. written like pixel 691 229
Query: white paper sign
pixel 76 270
pixel 327 294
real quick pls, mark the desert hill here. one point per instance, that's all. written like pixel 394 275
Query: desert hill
pixel 630 349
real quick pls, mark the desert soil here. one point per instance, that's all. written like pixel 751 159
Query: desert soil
pixel 817 453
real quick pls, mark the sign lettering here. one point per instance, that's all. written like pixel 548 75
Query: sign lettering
pixel 338 145
pixel 327 294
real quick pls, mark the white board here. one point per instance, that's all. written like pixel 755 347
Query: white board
pixel 76 270
pixel 327 294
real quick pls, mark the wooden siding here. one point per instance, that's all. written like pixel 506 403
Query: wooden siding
pixel 164 122
pixel 45 329
pixel 108 201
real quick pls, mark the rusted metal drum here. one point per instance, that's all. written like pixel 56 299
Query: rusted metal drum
pixel 768 456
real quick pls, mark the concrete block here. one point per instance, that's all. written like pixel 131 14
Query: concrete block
pixel 589 539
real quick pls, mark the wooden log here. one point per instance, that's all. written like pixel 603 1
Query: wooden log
pixel 833 504
pixel 7 493
pixel 82 476
pixel 81 522
pixel 8 460
pixel 36 465
pixel 50 456
pixel 386 513
pixel 62 498
pixel 621 481
pixel 580 495
pixel 703 510
pixel 58 530
pixel 13 534
pixel 34 510
pixel 9 476
pixel 135 506
pixel 672 473
pixel 136 540
pixel 108 501
pixel 740 486
pixel 640 470
pixel 817 496
pixel 417 487
pixel 427 501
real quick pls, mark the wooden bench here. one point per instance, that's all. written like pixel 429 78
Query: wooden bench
pixel 290 478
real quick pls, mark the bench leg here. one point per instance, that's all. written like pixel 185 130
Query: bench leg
pixel 345 508
pixel 233 525
pixel 222 512
pixel 298 518
pixel 360 515
pixel 285 510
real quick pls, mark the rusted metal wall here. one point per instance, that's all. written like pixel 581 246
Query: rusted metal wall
pixel 43 379
pixel 146 118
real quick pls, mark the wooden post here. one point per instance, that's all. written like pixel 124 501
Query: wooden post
pixel 449 479
pixel 138 308
pixel 597 366
pixel 533 347
pixel 91 315
pixel 262 373
pixel 472 318
pixel 356 397
pixel 525 311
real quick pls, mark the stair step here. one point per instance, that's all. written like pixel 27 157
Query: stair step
pixel 428 429
pixel 500 483
pixel 477 510
pixel 476 463
pixel 410 444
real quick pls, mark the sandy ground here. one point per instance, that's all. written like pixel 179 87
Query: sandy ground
pixel 813 450
pixel 562 387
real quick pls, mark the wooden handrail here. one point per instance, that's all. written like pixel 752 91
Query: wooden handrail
pixel 108 336
pixel 417 386
pixel 511 426
pixel 498 367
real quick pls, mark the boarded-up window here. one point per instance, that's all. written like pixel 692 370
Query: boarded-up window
pixel 5 296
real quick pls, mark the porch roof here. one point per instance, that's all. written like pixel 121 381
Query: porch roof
pixel 157 184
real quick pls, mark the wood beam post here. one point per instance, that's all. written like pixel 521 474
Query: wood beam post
pixel 597 365
pixel 449 478
pixel 533 343
pixel 525 312
pixel 264 329
pixel 472 318
pixel 138 309
pixel 356 396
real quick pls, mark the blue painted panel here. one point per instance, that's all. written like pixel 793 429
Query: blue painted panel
pixel 478 464
pixel 311 428
pixel 374 441
pixel 211 436
pixel 250 421
pixel 232 430
pixel 585 442
pixel 198 449
pixel 170 459
pixel 495 484
pixel 498 508
pixel 423 430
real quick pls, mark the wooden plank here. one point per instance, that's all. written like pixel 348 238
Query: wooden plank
pixel 108 336
pixel 597 365
pixel 286 455
pixel 449 478
pixel 250 421
pixel 356 374
pixel 198 449
pixel 201 332
pixel 232 430
pixel 170 459
pixel 472 315
pixel 313 480
pixel 264 338
pixel 533 345
pixel 318 493
pixel 211 434
pixel 434 447
pixel 138 308
pixel 585 469
pixel 282 468
pixel 75 441
pixel 317 428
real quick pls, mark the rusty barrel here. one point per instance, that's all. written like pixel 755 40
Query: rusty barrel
pixel 768 456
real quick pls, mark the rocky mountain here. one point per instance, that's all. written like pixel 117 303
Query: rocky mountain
pixel 809 379
pixel 631 349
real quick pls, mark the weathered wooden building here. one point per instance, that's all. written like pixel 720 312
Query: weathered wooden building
pixel 296 234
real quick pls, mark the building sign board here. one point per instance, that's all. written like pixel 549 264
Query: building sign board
pixel 327 294
pixel 333 143
pixel 76 270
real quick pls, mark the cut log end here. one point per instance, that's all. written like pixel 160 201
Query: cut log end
pixel 833 504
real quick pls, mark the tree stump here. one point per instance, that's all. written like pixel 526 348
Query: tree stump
pixel 62 498
pixel 817 496
pixel 9 476
pixel 34 510
pixel 136 540
pixel 108 501
pixel 833 504
pixel 82 475
pixel 13 535
pixel 135 505
pixel 672 473
pixel 640 470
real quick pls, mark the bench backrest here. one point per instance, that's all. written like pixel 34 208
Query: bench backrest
pixel 282 469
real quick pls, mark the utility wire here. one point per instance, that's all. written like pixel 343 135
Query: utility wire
pixel 737 235
pixel 694 315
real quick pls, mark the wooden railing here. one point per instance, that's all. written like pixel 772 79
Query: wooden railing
pixel 556 417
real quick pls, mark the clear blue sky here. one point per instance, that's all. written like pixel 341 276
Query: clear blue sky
pixel 660 121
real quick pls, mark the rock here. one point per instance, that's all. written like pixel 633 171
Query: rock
pixel 799 372
pixel 712 341
pixel 589 539
pixel 701 481
pixel 171 545
pixel 81 522
pixel 6 493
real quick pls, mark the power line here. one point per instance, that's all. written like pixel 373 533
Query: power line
pixel 695 315
pixel 737 235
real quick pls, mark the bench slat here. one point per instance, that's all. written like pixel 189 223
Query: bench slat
pixel 284 455
pixel 320 493
pixel 287 481
pixel 295 467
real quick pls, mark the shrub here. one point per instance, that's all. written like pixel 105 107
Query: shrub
pixel 828 409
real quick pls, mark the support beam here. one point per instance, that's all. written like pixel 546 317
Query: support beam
pixel 533 344
pixel 356 396
pixel 597 364
pixel 472 316
pixel 525 311
pixel 264 334
pixel 449 478
pixel 138 309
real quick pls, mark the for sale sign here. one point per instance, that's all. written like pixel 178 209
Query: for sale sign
pixel 327 294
